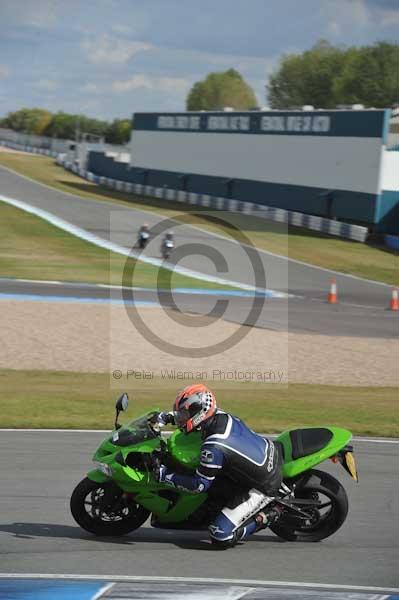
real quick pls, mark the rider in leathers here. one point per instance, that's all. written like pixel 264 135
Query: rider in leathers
pixel 229 447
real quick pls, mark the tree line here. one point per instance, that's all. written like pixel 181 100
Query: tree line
pixel 62 125
pixel 219 90
pixel 325 76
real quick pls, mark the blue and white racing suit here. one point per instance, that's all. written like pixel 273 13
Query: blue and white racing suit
pixel 248 460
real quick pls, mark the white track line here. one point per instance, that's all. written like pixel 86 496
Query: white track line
pixel 103 590
pixel 72 283
pixel 26 430
pixel 377 440
pixel 219 235
pixel 206 580
pixel 108 286
pixel 102 243
pixel 17 430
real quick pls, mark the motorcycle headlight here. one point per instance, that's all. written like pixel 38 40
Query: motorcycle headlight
pixel 106 469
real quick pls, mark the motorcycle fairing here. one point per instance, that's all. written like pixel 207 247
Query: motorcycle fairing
pixel 185 449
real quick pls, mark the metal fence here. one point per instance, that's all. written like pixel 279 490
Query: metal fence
pixel 55 145
pixel 76 152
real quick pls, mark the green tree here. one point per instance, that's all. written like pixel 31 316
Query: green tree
pixel 60 125
pixel 29 120
pixel 326 76
pixel 307 78
pixel 370 76
pixel 118 132
pixel 66 126
pixel 218 90
pixel 93 126
pixel 63 126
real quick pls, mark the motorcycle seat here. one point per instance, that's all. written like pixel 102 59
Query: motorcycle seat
pixel 308 441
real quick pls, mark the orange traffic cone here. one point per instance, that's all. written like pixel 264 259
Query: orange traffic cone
pixel 332 296
pixel 394 300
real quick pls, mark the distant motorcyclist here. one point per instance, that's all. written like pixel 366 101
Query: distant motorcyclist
pixel 230 450
pixel 168 243
pixel 144 236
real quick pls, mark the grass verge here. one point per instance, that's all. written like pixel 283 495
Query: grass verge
pixel 364 260
pixel 51 399
pixel 31 248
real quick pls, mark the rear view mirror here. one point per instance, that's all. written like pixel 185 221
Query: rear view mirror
pixel 122 403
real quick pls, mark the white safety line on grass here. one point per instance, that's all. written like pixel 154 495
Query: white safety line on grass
pixel 117 248
pixel 201 580
pixel 219 235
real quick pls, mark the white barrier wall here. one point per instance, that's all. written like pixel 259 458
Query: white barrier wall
pixel 390 171
pixel 341 163
pixel 335 150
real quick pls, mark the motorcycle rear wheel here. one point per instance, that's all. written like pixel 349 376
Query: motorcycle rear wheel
pixel 100 508
pixel 325 520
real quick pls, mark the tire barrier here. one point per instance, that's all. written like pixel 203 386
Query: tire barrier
pixel 279 215
pixel 30 149
pixel 330 227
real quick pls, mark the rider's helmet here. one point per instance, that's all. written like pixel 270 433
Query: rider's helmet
pixel 144 227
pixel 169 235
pixel 193 406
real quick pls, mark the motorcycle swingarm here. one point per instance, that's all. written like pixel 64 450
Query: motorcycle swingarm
pixel 290 505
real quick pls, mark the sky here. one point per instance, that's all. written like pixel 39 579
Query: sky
pixel 111 58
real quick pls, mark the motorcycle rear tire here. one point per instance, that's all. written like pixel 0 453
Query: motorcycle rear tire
pixel 319 482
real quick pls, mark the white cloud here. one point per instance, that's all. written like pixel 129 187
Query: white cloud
pixel 47 85
pixel 30 12
pixel 390 17
pixel 90 88
pixel 108 50
pixel 164 84
pixel 334 28
pixel 359 12
pixel 4 71
pixel 121 29
pixel 360 16
pixel 346 12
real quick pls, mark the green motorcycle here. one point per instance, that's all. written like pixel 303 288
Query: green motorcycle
pixel 123 491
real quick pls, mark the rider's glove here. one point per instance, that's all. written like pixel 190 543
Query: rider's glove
pixel 164 476
pixel 165 418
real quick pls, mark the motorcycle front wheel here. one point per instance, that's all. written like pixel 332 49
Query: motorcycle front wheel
pixel 325 518
pixel 104 510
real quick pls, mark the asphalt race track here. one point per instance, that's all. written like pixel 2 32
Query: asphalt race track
pixel 39 469
pixel 293 314
pixel 362 310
